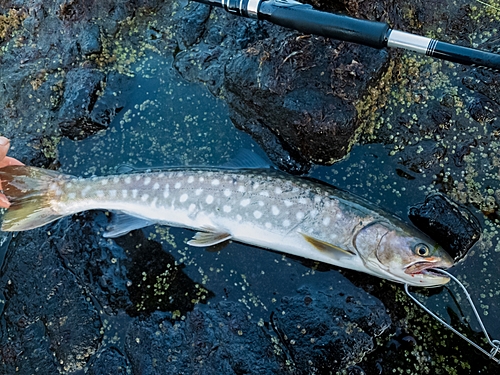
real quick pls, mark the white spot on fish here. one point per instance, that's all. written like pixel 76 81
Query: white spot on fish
pixel 104 182
pixel 134 193
pixel 299 215
pixel 180 174
pixel 138 177
pixel 226 208
pixel 317 199
pixel 215 182
pixel 99 193
pixel 166 192
pixel 116 179
pixel 257 214
pixel 177 185
pixel 227 192
pixel 156 186
pixel 261 203
pixel 124 193
pixel 303 201
pixel 286 223
pixel 85 190
pixel 69 184
pixel 275 210
pixel 278 190
pixel 72 195
pixel 288 203
pixel 264 193
pixel 183 198
pixel 127 180
pixel 191 208
pixel 198 191
pixel 190 179
pixel 241 189
pixel 326 221
pixel 268 225
pixel 144 197
pixel 201 179
pixel 238 217
pixel 112 193
pixel 147 180
pixel 209 199
pixel 313 213
pixel 153 202
pixel 245 202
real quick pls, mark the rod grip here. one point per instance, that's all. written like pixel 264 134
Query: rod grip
pixel 306 19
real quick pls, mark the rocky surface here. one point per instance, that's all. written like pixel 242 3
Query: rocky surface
pixel 76 303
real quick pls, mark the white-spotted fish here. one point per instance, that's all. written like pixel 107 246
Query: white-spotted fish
pixel 264 208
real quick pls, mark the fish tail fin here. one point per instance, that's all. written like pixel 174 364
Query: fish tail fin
pixel 30 191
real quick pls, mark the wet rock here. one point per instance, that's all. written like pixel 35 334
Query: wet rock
pixel 303 90
pixel 453 226
pixel 325 334
pixel 80 95
pixel 325 331
pixel 109 361
pixel 48 325
pixel 193 24
pixel 299 89
pixel 89 40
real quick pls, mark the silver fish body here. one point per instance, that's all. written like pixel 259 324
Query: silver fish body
pixel 264 208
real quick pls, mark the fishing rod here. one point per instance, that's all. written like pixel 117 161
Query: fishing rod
pixel 306 19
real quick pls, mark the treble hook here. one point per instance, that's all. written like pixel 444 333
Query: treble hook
pixel 495 344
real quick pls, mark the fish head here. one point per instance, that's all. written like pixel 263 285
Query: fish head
pixel 402 254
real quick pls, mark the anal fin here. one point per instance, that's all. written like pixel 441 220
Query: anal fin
pixel 325 247
pixel 209 238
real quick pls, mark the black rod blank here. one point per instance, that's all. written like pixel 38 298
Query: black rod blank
pixel 306 19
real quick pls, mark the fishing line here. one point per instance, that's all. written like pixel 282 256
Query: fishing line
pixel 495 344
pixel 308 20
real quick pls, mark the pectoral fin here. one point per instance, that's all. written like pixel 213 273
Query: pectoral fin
pixel 325 247
pixel 122 224
pixel 209 238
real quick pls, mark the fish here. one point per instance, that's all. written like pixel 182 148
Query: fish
pixel 264 208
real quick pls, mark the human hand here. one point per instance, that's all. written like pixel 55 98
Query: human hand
pixel 5 161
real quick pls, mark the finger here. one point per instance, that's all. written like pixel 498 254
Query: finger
pixel 9 161
pixel 4 147
pixel 4 202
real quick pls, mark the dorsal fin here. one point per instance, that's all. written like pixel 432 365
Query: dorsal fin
pixel 246 159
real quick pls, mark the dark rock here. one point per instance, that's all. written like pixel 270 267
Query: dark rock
pixel 303 90
pixel 80 95
pixel 109 361
pixel 323 335
pixel 325 331
pixel 49 324
pixel 89 40
pixel 300 90
pixel 193 24
pixel 453 226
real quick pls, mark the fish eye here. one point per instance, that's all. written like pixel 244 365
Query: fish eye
pixel 421 249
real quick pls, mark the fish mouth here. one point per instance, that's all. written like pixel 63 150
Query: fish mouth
pixel 427 268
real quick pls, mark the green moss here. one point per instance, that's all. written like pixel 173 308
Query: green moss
pixel 10 22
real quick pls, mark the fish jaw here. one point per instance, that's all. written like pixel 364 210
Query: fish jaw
pixel 423 272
